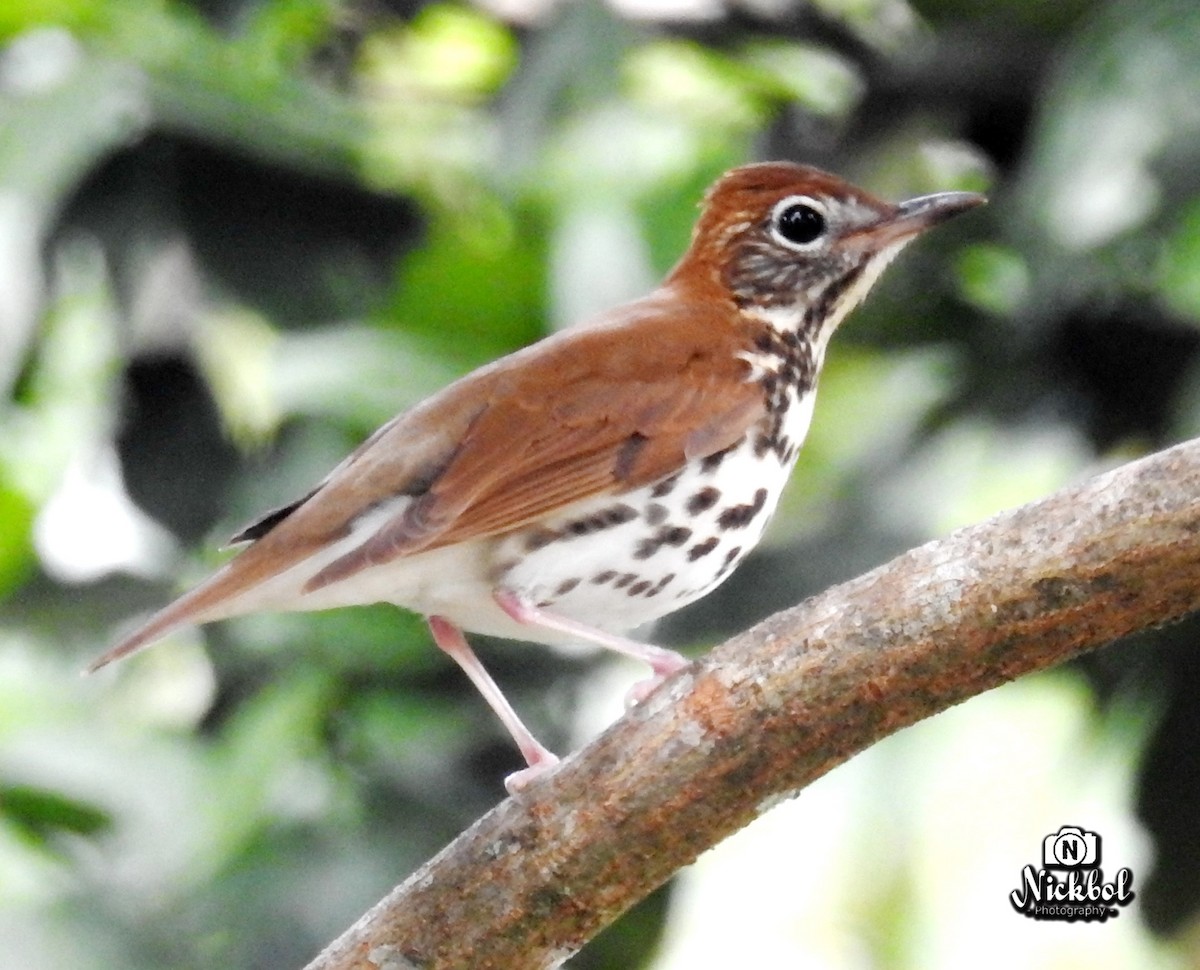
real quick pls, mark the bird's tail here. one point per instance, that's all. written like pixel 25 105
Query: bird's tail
pixel 211 600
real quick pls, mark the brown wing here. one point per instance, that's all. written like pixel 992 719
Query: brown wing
pixel 595 413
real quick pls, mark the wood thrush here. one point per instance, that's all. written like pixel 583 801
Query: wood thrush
pixel 608 474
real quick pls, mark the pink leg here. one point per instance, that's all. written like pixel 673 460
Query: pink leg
pixel 451 640
pixel 662 662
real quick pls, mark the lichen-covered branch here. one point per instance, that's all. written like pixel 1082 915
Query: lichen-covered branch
pixel 775 707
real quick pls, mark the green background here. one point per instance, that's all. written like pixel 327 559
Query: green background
pixel 237 235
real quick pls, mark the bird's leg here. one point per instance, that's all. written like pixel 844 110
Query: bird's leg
pixel 662 662
pixel 539 758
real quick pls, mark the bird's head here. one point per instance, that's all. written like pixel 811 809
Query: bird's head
pixel 800 247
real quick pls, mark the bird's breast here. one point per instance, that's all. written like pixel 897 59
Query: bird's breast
pixel 619 561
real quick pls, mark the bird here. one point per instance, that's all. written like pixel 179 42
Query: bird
pixel 602 477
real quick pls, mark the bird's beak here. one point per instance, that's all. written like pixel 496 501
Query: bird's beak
pixel 913 217
pixel 919 214
pixel 928 210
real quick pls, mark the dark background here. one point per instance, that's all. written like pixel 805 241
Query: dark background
pixel 237 235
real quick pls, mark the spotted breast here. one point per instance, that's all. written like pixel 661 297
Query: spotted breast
pixel 619 562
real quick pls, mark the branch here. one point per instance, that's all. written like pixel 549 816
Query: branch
pixel 776 707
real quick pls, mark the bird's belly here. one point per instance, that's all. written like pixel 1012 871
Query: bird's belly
pixel 620 561
pixel 454 581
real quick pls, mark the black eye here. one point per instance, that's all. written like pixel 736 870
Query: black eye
pixel 800 223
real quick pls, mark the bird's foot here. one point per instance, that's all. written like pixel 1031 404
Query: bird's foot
pixel 665 666
pixel 519 781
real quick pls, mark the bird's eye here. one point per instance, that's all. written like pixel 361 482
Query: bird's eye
pixel 799 223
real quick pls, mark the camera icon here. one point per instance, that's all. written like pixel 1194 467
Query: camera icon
pixel 1071 848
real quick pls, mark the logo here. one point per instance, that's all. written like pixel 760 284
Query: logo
pixel 1070 883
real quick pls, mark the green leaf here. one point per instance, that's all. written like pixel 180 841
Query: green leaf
pixel 41 813
pixel 476 289
pixel 16 547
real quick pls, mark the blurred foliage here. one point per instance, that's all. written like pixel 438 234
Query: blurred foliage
pixel 236 235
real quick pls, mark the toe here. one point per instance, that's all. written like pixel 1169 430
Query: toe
pixel 519 781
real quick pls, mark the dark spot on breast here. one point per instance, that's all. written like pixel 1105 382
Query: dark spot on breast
pixel 665 487
pixel 730 558
pixel 660 585
pixel 540 538
pixel 675 535
pixel 739 516
pixel 656 513
pixel 795 367
pixel 639 587
pixel 605 577
pixel 713 461
pixel 646 548
pixel 668 535
pixel 565 587
pixel 599 521
pixel 625 580
pixel 701 549
pixel 619 514
pixel 703 500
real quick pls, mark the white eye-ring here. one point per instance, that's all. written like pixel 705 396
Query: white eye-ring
pixel 798 222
